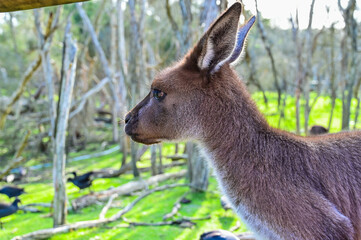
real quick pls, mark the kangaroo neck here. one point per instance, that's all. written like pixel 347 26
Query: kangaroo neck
pixel 233 124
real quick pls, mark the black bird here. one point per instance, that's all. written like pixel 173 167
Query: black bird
pixel 218 235
pixel 185 200
pixel 82 181
pixel 12 191
pixel 318 130
pixel 6 210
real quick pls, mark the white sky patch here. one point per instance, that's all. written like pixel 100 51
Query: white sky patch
pixel 280 11
pixel 2 21
pixel 2 18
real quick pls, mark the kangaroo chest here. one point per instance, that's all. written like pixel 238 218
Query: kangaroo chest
pixel 239 205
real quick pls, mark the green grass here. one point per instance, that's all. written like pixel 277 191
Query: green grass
pixel 319 114
pixel 153 207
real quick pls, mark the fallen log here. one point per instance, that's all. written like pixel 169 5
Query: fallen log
pixel 176 207
pixel 124 189
pixel 95 155
pixel 140 153
pixel 106 207
pixel 110 173
pixel 29 209
pixel 42 205
pixel 177 157
pixel 47 233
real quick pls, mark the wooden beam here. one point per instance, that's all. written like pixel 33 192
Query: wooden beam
pixel 16 5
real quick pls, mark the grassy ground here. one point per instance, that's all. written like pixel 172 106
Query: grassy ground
pixel 319 114
pixel 151 209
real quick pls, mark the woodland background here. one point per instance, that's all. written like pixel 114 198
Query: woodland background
pixel 68 75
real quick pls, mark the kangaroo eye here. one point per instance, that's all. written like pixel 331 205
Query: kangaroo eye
pixel 158 94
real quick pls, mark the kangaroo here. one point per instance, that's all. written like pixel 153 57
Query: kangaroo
pixel 283 186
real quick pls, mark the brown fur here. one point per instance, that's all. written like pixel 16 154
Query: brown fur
pixel 282 185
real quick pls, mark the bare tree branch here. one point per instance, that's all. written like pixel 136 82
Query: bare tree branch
pixel 27 76
pixel 171 20
pixel 270 54
pixel 81 102
pixel 127 188
pixel 65 96
pixel 17 160
pixel 175 208
pixel 44 47
pixel 31 69
pixel 106 68
pixel 107 206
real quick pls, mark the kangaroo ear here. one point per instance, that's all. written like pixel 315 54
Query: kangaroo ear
pixel 221 44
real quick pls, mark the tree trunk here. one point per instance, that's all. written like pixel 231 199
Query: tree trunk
pixel 133 152
pixel 153 159
pixel 306 110
pixel 348 62
pixel 300 72
pixel 282 109
pixel 160 167
pixel 136 63
pixel 308 68
pixel 122 79
pixel 346 106
pixel 332 75
pixel 65 96
pixel 268 48
pixel 113 64
pixel 185 6
pixel 198 172
pixel 357 112
pixel 47 68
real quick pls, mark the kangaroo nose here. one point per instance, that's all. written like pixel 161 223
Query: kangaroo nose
pixel 127 118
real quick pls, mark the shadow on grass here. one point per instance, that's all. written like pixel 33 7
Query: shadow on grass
pixel 204 204
pixel 226 222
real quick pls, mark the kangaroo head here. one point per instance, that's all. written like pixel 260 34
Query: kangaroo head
pixel 181 95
